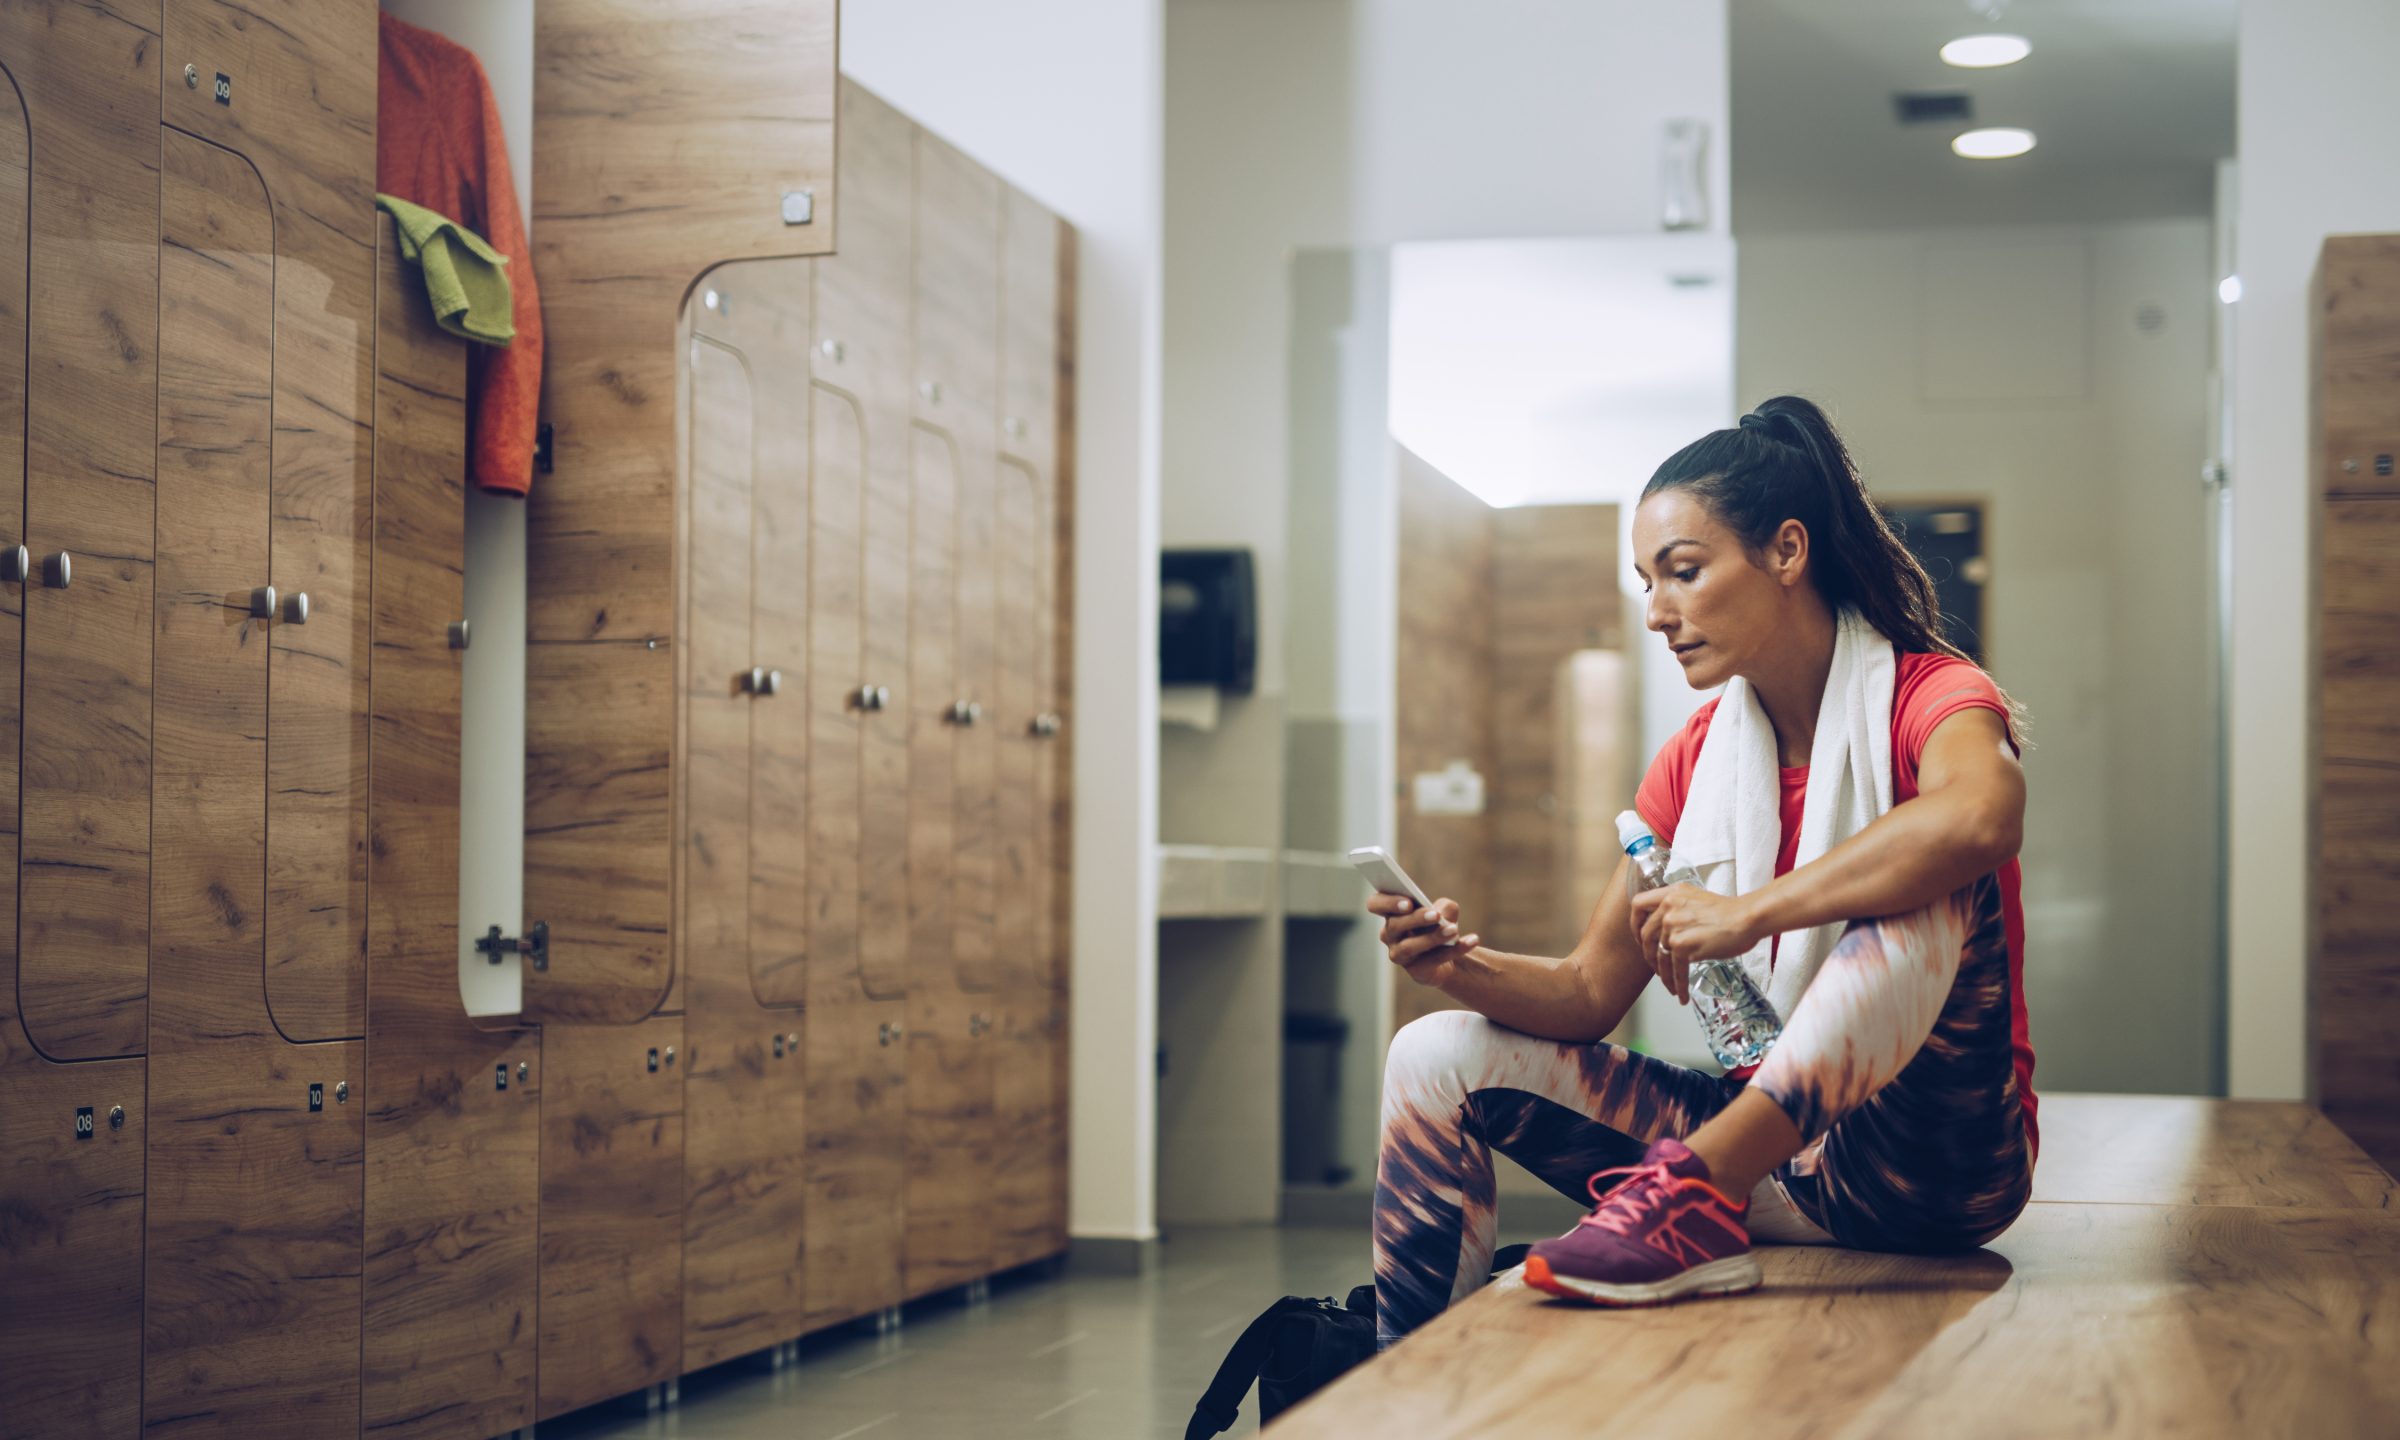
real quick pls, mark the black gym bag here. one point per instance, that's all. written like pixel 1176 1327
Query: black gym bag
pixel 1293 1349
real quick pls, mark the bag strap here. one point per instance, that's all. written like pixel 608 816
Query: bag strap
pixel 1508 1257
pixel 1222 1404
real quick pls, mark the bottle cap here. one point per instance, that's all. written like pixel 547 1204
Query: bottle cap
pixel 1632 830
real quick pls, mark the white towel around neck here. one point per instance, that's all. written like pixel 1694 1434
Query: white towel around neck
pixel 1732 826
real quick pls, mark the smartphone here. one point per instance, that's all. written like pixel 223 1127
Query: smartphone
pixel 1385 874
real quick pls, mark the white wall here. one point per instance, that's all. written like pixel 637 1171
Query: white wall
pixel 1061 98
pixel 491 854
pixel 2318 115
pixel 2084 434
pixel 1296 124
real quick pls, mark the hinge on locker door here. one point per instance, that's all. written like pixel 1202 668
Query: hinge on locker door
pixel 534 947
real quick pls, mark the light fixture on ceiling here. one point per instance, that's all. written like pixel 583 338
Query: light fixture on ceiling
pixel 1986 52
pixel 1997 142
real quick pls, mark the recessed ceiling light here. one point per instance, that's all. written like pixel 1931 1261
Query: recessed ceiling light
pixel 1983 52
pixel 1999 142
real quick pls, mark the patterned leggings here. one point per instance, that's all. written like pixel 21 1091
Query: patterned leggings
pixel 1895 1067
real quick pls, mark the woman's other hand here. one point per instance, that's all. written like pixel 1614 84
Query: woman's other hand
pixel 1682 925
pixel 1424 942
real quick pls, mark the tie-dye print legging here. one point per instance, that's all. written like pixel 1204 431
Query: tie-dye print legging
pixel 1895 1067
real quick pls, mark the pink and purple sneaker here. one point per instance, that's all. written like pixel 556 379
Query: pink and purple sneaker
pixel 1662 1232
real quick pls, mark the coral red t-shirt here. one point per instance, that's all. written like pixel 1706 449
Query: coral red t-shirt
pixel 1926 690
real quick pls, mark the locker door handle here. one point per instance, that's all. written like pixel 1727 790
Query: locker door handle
pixel 1044 725
pixel 262 602
pixel 965 712
pixel 295 607
pixel 759 680
pixel 57 570
pixel 872 697
pixel 15 564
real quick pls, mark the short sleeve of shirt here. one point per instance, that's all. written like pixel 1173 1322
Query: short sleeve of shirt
pixel 1931 689
pixel 1659 801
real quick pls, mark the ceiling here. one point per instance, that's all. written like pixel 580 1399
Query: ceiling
pixel 1559 371
pixel 2132 101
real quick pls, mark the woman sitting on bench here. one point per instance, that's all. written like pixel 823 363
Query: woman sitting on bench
pixel 1853 801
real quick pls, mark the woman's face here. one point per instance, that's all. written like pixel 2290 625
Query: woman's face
pixel 1716 606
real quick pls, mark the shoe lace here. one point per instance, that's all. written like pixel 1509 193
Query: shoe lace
pixel 1644 1187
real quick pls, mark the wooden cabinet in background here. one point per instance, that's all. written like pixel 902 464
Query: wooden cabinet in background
pixel 2355 979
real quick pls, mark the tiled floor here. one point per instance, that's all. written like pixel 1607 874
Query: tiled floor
pixel 1080 1357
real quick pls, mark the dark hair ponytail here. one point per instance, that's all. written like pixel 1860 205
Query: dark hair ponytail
pixel 1784 462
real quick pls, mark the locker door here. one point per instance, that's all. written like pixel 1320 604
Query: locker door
pixel 299 106
pixel 612 1211
pixel 745 1089
pixel 252 1253
pixel 70 1135
pixel 858 797
pixel 1029 1123
pixel 953 758
pixel 91 79
pixel 452 1121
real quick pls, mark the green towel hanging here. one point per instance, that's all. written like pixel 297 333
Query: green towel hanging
pixel 465 278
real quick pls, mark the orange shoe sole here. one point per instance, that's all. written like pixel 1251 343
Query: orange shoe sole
pixel 1718 1277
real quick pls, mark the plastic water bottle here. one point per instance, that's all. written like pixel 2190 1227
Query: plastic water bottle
pixel 1739 1023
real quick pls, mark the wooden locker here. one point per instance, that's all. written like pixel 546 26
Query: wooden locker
pixel 2355 977
pixel 453 1112
pixel 253 1240
pixel 611 1211
pixel 70 1135
pixel 299 106
pixel 667 139
pixel 953 757
pixel 859 690
pixel 89 78
pixel 1028 1197
pixel 745 1089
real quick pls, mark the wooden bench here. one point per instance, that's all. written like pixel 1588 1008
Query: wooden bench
pixel 2188 1267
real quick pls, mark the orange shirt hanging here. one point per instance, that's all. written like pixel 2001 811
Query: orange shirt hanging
pixel 438 144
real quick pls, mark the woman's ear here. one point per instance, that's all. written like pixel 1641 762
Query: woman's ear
pixel 1788 553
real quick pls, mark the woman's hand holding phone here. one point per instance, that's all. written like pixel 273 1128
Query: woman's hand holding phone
pixel 1423 941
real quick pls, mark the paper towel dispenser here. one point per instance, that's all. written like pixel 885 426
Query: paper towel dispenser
pixel 1207 619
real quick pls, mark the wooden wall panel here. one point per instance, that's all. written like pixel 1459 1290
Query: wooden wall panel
pixel 453 1110
pixel 302 110
pixel 2356 970
pixel 745 1087
pixel 89 77
pixel 666 139
pixel 1554 592
pixel 1445 582
pixel 252 1246
pixel 611 1211
pixel 70 1198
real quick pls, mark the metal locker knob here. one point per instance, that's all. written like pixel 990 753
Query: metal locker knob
pixel 770 682
pixel 965 712
pixel 1014 425
pixel 295 607
pixel 16 563
pixel 461 632
pixel 833 350
pixel 262 602
pixel 754 680
pixel 883 1033
pixel 58 569
pixel 932 391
